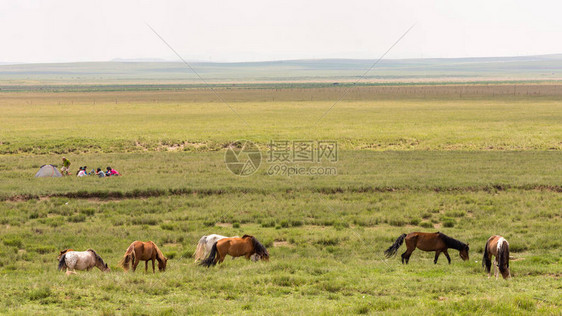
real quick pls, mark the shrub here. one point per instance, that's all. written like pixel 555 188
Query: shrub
pixel 170 254
pixel 397 222
pixel 13 242
pixel 448 222
pixel 296 223
pixel 77 218
pixel 40 293
pixel 168 226
pixel 415 221
pixel 268 223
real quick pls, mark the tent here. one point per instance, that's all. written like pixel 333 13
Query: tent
pixel 48 171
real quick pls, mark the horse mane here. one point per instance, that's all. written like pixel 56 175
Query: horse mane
pixel 503 256
pixel 98 258
pixel 452 242
pixel 258 247
pixel 250 236
pixel 160 256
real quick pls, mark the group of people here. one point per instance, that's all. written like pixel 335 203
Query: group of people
pixel 83 171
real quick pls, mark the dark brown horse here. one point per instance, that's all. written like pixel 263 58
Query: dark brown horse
pixel 499 247
pixel 437 242
pixel 236 247
pixel 145 251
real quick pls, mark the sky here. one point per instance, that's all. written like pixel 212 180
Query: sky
pixel 259 30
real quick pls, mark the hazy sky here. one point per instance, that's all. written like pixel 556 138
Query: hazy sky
pixel 253 30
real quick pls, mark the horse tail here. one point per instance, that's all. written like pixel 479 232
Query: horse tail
pixel 391 251
pixel 503 257
pixel 200 251
pixel 128 257
pixel 210 261
pixel 486 260
pixel 62 262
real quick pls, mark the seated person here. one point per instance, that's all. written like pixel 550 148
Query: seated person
pixel 112 172
pixel 100 173
pixel 82 172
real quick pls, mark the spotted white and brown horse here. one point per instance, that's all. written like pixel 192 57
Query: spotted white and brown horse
pixel 81 260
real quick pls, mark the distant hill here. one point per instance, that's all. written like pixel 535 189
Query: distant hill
pixel 544 67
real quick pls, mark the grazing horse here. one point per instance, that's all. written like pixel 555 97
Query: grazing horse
pixel 236 247
pixel 81 260
pixel 205 244
pixel 437 242
pixel 145 251
pixel 499 247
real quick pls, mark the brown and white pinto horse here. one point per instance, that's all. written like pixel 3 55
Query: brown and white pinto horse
pixel 145 251
pixel 437 242
pixel 499 247
pixel 236 247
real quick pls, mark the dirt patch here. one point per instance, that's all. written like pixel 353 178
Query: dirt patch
pixel 223 225
pixel 283 244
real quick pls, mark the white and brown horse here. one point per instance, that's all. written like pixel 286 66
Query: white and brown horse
pixel 81 260
pixel 206 243
pixel 499 247
pixel 246 246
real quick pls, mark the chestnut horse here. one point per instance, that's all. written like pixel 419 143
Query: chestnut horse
pixel 236 247
pixel 145 251
pixel 437 242
pixel 499 247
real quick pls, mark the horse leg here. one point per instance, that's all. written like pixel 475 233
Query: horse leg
pixel 146 266
pixel 447 255
pixel 135 264
pixel 496 267
pixel 437 253
pixel 220 256
pixel 153 270
pixel 406 256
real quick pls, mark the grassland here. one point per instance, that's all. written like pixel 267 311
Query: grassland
pixel 377 118
pixel 468 160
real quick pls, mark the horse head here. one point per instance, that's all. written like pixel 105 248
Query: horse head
pixel 260 251
pixel 106 268
pixel 464 252
pixel 162 262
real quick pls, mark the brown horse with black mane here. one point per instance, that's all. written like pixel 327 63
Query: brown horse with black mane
pixel 145 251
pixel 437 242
pixel 236 247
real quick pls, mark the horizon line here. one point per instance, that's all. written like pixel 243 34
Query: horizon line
pixel 161 60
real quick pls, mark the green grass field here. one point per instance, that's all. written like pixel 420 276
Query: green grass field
pixel 412 158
